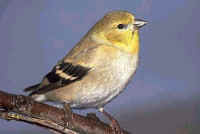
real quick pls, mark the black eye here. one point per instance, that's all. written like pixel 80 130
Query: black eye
pixel 120 26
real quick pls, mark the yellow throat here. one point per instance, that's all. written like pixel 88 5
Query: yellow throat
pixel 129 42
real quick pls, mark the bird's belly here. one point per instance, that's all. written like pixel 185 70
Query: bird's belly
pixel 97 97
pixel 106 86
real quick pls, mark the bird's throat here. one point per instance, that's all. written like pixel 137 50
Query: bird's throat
pixel 132 43
pixel 128 43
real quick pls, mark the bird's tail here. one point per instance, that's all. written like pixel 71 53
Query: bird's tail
pixel 32 88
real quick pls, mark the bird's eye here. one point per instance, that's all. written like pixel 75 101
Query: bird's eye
pixel 120 26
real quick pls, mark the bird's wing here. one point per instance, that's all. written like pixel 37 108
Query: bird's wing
pixel 71 68
pixel 62 75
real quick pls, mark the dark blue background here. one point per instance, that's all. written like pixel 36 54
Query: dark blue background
pixel 162 98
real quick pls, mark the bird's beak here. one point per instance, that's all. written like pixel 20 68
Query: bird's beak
pixel 140 23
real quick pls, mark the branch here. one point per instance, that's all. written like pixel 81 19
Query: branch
pixel 23 108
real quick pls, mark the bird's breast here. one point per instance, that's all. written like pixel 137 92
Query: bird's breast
pixel 107 80
pixel 122 71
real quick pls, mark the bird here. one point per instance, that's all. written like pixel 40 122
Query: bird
pixel 98 68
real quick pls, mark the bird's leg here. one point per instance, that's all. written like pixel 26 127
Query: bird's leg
pixel 68 115
pixel 114 123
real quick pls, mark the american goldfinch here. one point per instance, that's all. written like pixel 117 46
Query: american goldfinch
pixel 99 66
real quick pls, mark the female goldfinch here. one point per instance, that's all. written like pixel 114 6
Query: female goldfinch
pixel 98 68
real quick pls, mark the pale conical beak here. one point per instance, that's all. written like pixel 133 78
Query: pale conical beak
pixel 140 23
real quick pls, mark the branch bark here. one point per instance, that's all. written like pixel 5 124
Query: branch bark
pixel 23 108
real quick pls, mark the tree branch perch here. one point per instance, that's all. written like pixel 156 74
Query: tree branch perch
pixel 23 108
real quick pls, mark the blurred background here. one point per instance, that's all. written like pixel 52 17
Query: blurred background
pixel 163 97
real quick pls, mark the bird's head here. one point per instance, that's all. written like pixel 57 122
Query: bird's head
pixel 120 29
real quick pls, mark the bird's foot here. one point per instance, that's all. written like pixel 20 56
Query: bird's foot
pixel 116 127
pixel 68 115
pixel 114 123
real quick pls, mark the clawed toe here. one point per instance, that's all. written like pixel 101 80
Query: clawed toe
pixel 114 123
pixel 116 127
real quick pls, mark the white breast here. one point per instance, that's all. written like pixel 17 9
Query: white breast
pixel 109 83
pixel 125 68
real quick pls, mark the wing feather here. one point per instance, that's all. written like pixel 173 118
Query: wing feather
pixel 62 75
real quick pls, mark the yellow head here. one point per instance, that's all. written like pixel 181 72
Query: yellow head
pixel 120 29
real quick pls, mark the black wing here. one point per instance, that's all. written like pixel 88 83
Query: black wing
pixel 62 75
pixel 66 73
